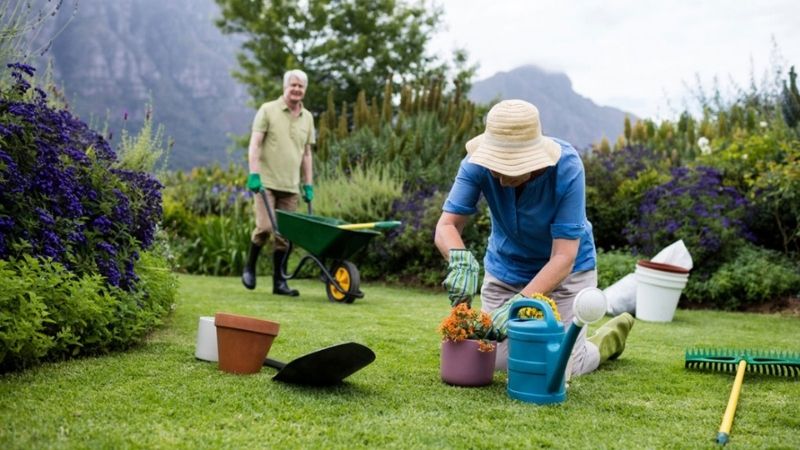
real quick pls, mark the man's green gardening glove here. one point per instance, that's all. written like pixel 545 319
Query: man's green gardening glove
pixel 500 318
pixel 254 182
pixel 462 279
pixel 308 193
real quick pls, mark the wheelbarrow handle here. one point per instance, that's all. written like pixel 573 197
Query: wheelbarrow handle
pixel 385 225
pixel 270 213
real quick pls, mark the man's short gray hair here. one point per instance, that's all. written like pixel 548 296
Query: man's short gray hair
pixel 296 73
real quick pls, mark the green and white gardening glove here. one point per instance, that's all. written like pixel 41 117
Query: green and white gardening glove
pixel 462 279
pixel 308 193
pixel 254 182
pixel 500 318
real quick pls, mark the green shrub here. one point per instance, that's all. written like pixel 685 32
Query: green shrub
pixel 365 194
pixel 615 184
pixel 695 207
pixel 218 245
pixel 408 254
pixel 49 313
pixel 613 265
pixel 75 224
pixel 755 276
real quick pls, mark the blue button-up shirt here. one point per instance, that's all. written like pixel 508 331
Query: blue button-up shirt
pixel 551 206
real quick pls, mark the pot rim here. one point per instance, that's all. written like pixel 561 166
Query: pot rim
pixel 246 323
pixel 662 266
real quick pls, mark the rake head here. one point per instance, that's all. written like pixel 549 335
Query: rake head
pixel 779 363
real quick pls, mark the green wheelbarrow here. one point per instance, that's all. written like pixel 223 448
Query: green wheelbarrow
pixel 328 243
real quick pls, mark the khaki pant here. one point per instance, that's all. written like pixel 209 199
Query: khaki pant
pixel 285 201
pixel 585 355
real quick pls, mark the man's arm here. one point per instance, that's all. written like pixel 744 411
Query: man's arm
pixel 254 151
pixel 307 165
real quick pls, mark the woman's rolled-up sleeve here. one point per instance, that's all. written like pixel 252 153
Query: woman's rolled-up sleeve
pixel 465 192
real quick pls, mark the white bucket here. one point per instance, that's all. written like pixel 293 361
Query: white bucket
pixel 206 348
pixel 657 294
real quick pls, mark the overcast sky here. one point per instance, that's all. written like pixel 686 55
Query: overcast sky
pixel 631 54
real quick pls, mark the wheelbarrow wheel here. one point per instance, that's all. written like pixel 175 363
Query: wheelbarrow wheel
pixel 346 274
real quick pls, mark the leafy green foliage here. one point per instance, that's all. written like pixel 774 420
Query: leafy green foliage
pixel 753 277
pixel 613 265
pixel 208 218
pixel 790 100
pixel 615 185
pixel 343 45
pixel 75 227
pixel 695 207
pixel 144 151
pixel 407 254
pixel 366 194
pixel 49 313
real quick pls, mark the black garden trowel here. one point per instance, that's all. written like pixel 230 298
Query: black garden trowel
pixel 324 367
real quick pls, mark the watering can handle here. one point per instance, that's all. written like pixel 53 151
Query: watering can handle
pixel 549 317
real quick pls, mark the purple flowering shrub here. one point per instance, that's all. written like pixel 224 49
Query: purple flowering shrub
pixel 62 195
pixel 694 206
pixel 79 272
pixel 407 253
pixel 615 183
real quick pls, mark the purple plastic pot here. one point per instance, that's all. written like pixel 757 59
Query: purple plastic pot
pixel 464 365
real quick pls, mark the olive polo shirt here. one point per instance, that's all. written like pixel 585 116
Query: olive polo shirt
pixel 285 140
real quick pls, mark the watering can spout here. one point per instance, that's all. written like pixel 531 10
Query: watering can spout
pixel 589 306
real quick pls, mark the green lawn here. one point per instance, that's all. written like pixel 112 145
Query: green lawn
pixel 160 396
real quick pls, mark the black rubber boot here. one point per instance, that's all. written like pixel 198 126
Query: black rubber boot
pixel 279 286
pixel 249 274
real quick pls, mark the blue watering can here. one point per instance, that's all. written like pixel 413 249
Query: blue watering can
pixel 538 349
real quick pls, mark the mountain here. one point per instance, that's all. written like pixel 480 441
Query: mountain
pixel 115 56
pixel 564 113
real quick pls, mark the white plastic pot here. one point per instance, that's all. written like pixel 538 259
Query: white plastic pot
pixel 657 294
pixel 206 348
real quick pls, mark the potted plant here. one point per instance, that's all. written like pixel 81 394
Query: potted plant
pixel 468 355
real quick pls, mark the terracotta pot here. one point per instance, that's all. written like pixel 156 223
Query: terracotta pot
pixel 243 342
pixel 661 266
pixel 463 364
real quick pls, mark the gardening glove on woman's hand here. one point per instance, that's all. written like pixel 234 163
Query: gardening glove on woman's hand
pixel 254 182
pixel 500 318
pixel 462 279
pixel 308 193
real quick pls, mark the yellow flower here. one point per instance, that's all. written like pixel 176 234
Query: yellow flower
pixel 529 313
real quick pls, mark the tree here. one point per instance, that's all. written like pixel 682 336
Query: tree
pixel 790 100
pixel 343 45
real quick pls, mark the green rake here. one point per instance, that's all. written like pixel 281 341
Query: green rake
pixel 739 361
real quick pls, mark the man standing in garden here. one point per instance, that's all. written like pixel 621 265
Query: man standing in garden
pixel 279 150
pixel 541 241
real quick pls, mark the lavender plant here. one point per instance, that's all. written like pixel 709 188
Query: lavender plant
pixel 693 206
pixel 61 196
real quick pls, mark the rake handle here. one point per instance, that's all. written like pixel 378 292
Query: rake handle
pixel 730 411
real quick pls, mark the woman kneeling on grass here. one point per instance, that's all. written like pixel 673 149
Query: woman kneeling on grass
pixel 541 240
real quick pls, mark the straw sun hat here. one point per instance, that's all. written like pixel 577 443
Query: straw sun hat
pixel 512 143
